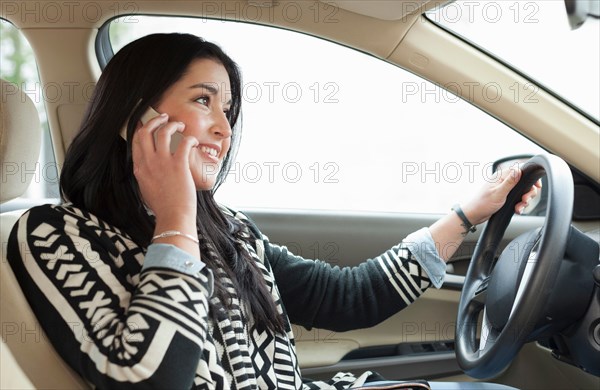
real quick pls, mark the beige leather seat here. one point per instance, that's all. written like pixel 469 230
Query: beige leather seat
pixel 27 358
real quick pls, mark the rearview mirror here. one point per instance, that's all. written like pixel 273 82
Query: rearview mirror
pixel 578 11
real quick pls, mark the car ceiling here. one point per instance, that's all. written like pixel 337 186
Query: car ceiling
pixel 376 27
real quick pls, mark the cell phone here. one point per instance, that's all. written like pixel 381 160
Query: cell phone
pixel 150 113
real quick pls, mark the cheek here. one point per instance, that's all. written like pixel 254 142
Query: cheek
pixel 226 146
pixel 195 126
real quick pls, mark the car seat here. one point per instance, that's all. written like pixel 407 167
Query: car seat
pixel 27 359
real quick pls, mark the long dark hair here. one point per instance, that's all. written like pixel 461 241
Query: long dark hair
pixel 98 170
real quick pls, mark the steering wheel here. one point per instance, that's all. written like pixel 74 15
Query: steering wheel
pixel 513 293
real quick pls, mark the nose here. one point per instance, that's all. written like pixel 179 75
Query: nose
pixel 221 125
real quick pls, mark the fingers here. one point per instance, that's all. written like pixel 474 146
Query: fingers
pixel 531 194
pixel 519 207
pixel 142 142
pixel 155 137
pixel 143 134
pixel 185 146
pixel 153 140
pixel 510 179
pixel 163 137
pixel 526 198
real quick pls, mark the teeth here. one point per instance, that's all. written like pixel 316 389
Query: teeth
pixel 210 151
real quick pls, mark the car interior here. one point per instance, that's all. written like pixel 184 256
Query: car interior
pixel 550 335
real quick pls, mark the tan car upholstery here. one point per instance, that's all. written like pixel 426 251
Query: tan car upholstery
pixel 27 358
pixel 20 139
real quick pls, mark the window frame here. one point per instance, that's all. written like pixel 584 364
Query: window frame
pixel 513 69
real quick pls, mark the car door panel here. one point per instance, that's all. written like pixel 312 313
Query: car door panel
pixel 418 341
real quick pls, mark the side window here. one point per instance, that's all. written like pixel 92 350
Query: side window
pixel 19 67
pixel 327 127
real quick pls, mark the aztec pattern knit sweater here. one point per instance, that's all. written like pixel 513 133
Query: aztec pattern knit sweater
pixel 123 326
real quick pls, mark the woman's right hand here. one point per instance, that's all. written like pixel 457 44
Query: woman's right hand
pixel 165 179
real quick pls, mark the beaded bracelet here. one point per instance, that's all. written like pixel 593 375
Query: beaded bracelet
pixel 469 227
pixel 173 233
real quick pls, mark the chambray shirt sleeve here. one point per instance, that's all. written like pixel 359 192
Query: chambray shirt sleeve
pixel 422 247
pixel 170 257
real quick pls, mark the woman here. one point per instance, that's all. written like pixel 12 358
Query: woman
pixel 141 280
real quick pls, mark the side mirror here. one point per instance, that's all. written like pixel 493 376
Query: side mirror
pixel 537 206
pixel 578 11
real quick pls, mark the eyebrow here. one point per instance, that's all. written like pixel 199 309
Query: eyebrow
pixel 210 87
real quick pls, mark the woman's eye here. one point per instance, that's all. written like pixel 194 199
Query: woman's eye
pixel 203 100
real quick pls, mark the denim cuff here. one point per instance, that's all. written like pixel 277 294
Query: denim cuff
pixel 422 247
pixel 170 257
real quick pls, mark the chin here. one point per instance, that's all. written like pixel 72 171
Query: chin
pixel 205 184
pixel 205 181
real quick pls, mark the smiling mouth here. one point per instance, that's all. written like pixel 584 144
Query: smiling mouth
pixel 210 151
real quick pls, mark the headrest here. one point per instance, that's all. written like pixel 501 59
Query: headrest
pixel 20 139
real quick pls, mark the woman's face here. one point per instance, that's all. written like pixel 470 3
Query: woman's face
pixel 200 100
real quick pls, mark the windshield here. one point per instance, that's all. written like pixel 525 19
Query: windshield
pixel 534 37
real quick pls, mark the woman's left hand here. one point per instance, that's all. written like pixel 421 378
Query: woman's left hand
pixel 492 196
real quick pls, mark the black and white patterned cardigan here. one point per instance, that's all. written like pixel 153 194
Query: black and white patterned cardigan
pixel 121 327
